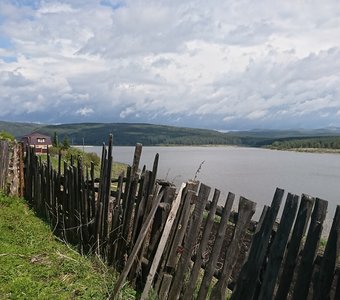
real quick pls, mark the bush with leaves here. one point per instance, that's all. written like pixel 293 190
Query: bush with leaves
pixel 67 153
pixel 6 136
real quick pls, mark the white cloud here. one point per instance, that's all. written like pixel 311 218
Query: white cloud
pixel 221 64
pixel 85 111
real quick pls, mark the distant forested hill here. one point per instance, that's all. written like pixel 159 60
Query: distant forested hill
pixel 124 134
pixel 127 134
pixel 323 142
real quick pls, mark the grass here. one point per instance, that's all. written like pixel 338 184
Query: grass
pixel 34 265
pixel 117 167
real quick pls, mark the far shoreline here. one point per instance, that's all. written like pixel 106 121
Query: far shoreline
pixel 302 150
pixel 309 150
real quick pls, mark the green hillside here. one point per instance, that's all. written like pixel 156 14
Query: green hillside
pixel 19 129
pixel 128 134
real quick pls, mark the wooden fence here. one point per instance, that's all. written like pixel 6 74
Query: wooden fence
pixel 11 168
pixel 181 244
pixel 4 163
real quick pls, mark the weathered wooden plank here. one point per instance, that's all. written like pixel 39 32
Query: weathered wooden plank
pixel 21 169
pixel 4 162
pixel 154 173
pixel 246 210
pixel 248 278
pixel 154 235
pixel 93 193
pixel 107 193
pixel 322 288
pixel 65 203
pixel 135 249
pixel 181 225
pixel 127 187
pixel 136 159
pixel 262 217
pixel 127 225
pixel 215 253
pixel 337 290
pixel 54 205
pixel 160 220
pixel 165 286
pixel 299 230
pixel 72 208
pixel 36 190
pixel 172 250
pixel 189 289
pixel 115 232
pixel 140 204
pixel 278 247
pixel 310 250
pixel 162 243
pixel 101 203
pixel 189 242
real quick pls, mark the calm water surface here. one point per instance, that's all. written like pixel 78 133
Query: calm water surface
pixel 249 172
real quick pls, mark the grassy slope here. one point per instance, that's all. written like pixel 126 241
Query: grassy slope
pixel 33 265
pixel 128 134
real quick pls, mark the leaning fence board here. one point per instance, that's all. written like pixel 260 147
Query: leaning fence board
pixel 181 226
pixel 246 210
pixel 189 242
pixel 107 192
pixel 172 250
pixel 211 266
pixel 248 278
pixel 163 241
pixel 327 269
pixel 278 247
pixel 140 204
pixel 189 289
pixel 135 249
pixel 299 230
pixel 160 220
pixel 310 250
pixel 337 290
pixel 165 286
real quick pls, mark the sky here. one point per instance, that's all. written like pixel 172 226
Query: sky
pixel 225 65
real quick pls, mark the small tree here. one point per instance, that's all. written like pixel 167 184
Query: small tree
pixel 66 144
pixel 55 140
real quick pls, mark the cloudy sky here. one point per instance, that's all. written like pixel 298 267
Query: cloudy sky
pixel 214 64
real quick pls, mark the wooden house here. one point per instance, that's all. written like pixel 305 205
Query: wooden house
pixel 39 141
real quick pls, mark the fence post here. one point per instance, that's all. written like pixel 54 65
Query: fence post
pixel 328 262
pixel 299 230
pixel 248 278
pixel 246 210
pixel 189 289
pixel 309 251
pixel 189 242
pixel 162 242
pixel 278 247
pixel 215 253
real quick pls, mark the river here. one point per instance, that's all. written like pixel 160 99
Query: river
pixel 253 173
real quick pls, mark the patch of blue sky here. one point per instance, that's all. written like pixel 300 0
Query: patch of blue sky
pixel 5 42
pixel 113 4
pixel 31 3
pixel 8 59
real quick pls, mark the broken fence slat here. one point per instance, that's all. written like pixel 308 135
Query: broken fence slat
pixel 162 243
pixel 135 249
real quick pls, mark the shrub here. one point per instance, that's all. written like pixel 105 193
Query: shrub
pixel 6 136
